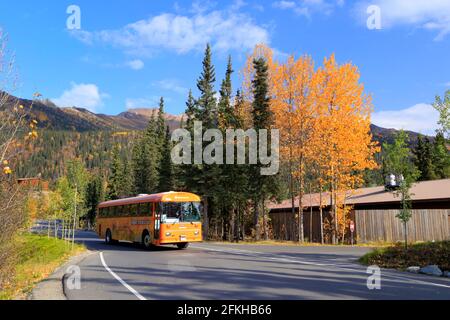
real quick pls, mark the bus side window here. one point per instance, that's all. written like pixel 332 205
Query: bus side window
pixel 133 210
pixel 100 212
pixel 138 209
pixel 146 209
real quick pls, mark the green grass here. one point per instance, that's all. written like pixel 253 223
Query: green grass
pixel 419 254
pixel 37 257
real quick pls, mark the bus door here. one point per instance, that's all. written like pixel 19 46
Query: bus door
pixel 157 224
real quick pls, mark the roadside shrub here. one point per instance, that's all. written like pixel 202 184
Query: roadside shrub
pixel 420 254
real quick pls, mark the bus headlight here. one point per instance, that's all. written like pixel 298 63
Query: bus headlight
pixel 168 234
pixel 196 233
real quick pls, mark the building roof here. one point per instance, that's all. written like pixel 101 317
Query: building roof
pixel 420 191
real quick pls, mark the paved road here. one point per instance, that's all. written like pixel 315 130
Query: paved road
pixel 217 271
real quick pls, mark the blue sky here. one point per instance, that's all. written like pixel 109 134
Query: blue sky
pixel 129 53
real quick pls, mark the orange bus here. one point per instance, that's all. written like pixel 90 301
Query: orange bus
pixel 171 218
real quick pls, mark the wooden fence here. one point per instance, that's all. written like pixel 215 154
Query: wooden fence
pixel 383 225
pixel 372 225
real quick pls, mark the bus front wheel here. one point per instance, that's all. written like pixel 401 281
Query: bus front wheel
pixel 182 246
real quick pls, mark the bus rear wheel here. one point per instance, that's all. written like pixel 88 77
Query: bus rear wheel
pixel 146 240
pixel 183 246
pixel 108 237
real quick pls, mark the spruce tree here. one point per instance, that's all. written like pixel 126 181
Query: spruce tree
pixel 146 160
pixel 166 177
pixel 115 175
pixel 161 125
pixel 206 106
pixel 226 181
pixel 261 186
pixel 225 112
pixel 190 111
pixel 127 182
pixel 441 157
pixel 203 177
pixel 424 159
pixel 94 195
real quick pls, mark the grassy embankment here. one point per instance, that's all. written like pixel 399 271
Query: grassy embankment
pixel 420 254
pixel 37 257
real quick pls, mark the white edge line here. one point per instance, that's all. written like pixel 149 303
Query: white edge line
pixel 126 285
pixel 282 258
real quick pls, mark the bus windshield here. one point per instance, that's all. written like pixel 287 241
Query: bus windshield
pixel 174 212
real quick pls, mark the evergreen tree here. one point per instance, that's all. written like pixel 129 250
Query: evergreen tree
pixel 146 160
pixel 115 175
pixel 424 159
pixel 441 157
pixel 127 182
pixel 397 158
pixel 206 106
pixel 224 108
pixel 203 177
pixel 161 125
pixel 227 179
pixel 261 186
pixel 139 172
pixel 94 195
pixel 166 177
pixel 190 111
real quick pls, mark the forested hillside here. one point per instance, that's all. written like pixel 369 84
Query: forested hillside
pixel 67 133
pixel 51 151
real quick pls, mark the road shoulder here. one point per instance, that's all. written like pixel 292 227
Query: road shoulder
pixel 52 288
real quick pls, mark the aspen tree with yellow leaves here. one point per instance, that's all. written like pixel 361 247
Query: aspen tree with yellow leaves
pixel 295 116
pixel 342 138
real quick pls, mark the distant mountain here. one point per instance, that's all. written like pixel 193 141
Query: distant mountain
pixel 388 135
pixel 76 119
pixel 50 116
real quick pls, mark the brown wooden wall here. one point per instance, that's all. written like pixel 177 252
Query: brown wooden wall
pixel 283 225
pixel 383 225
pixel 371 225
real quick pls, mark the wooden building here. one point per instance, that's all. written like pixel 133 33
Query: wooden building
pixel 374 212
pixel 35 183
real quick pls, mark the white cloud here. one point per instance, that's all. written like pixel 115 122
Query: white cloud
pixel 141 103
pixel 135 64
pixel 427 14
pixel 81 95
pixel 308 7
pixel 225 30
pixel 420 118
pixel 171 85
pixel 284 4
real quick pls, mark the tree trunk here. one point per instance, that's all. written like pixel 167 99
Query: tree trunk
pixel 256 220
pixel 406 234
pixel 292 194
pixel 205 218
pixel 237 223
pixel 301 236
pixel 266 223
pixel 321 215
pixel 243 223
